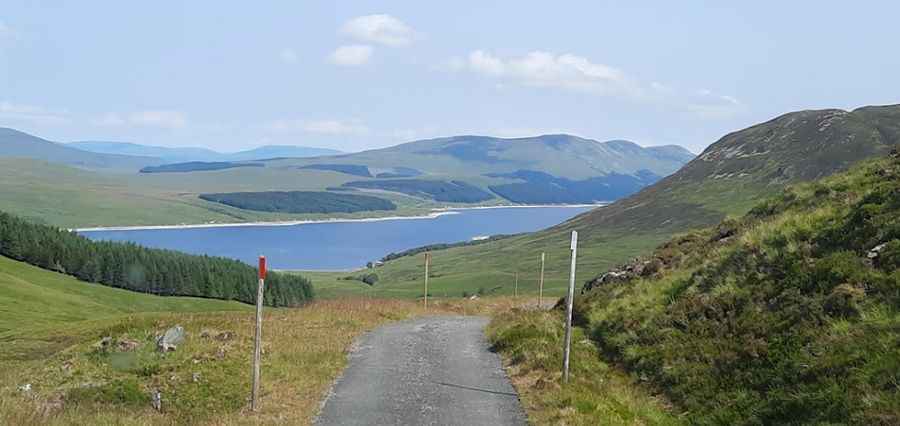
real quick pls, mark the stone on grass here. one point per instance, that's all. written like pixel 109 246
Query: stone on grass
pixel 170 340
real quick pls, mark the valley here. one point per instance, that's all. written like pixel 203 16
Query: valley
pixel 449 172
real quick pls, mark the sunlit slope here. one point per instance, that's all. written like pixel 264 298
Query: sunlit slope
pixel 728 178
pixel 33 298
pixel 787 315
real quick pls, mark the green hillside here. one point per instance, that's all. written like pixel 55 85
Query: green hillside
pixel 790 314
pixel 14 143
pixel 558 155
pixel 43 192
pixel 417 177
pixel 36 299
pixel 728 178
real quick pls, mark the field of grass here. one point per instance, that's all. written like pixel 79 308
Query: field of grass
pixel 530 342
pixel 491 268
pixel 51 326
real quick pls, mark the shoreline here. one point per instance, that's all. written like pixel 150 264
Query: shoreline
pixel 435 213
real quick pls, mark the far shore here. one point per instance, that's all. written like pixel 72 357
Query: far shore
pixel 436 213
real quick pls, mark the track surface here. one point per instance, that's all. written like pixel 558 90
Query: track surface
pixel 429 371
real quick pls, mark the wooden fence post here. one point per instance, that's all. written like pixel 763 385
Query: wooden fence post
pixel 517 285
pixel 569 302
pixel 541 289
pixel 427 262
pixel 257 344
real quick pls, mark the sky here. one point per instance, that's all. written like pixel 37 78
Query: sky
pixel 355 75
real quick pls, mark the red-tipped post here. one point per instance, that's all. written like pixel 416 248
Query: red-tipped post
pixel 262 267
pixel 257 344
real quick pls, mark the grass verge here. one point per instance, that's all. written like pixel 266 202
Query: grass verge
pixel 530 342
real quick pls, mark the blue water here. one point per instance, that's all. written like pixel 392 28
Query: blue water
pixel 342 245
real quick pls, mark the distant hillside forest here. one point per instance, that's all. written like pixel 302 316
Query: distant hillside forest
pixel 454 191
pixel 136 268
pixel 197 166
pixel 543 188
pixel 301 202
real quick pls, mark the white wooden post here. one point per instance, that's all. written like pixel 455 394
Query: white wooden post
pixel 569 303
pixel 257 344
pixel 541 288
pixel 427 262
pixel 517 284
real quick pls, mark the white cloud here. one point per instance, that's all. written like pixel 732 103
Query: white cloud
pixel 110 119
pixel 545 69
pixel 158 118
pixel 289 56
pixel 322 127
pixel 706 104
pixel 380 29
pixel 33 114
pixel 166 119
pixel 351 55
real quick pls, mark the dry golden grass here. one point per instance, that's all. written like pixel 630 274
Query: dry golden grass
pixel 304 350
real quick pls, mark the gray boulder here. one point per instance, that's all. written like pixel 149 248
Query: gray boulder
pixel 170 340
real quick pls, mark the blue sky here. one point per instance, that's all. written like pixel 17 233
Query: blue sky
pixel 366 74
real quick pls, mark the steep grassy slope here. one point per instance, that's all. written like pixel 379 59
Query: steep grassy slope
pixel 732 175
pixel 36 299
pixel 788 314
pixel 14 143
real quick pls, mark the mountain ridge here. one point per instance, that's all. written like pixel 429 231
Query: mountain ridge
pixel 187 154
pixel 731 176
pixel 15 143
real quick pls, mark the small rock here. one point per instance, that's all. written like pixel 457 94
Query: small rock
pixel 220 354
pixel 156 400
pixel 195 377
pixel 170 339
pixel 225 336
pixel 51 406
pixel 104 343
pixel 127 345
pixel 473 297
pixel 26 388
pixel 876 251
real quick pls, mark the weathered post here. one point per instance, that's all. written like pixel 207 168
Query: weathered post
pixel 427 262
pixel 517 285
pixel 541 288
pixel 569 303
pixel 257 344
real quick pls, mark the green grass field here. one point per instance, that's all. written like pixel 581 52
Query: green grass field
pixel 36 305
pixel 490 268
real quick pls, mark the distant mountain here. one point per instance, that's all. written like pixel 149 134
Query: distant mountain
pixel 280 151
pixel 731 176
pixel 536 170
pixel 169 155
pixel 14 143
pixel 183 155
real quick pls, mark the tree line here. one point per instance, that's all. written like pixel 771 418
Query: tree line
pixel 133 267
